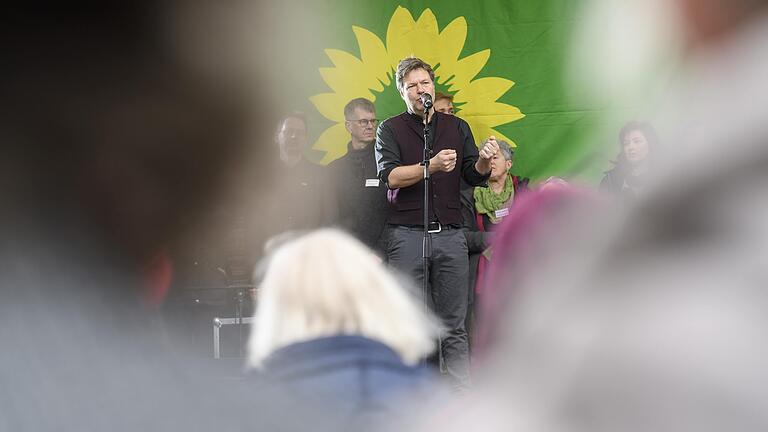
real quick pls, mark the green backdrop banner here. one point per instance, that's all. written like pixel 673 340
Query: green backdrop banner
pixel 503 61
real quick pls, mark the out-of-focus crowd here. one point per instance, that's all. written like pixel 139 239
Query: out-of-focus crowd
pixel 638 306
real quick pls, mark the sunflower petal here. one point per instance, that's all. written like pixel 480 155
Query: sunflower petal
pixel 492 114
pixel 451 42
pixel 346 78
pixel 482 131
pixel 400 29
pixel 406 37
pixel 375 62
pixel 468 68
pixel 330 105
pixel 333 141
pixel 485 89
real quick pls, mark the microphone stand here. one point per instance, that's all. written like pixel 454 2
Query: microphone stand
pixel 426 245
pixel 239 319
pixel 239 299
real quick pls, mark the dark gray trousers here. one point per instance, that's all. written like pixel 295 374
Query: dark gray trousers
pixel 448 282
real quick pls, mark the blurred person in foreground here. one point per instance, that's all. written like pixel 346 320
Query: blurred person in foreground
pixel 630 175
pixel 655 319
pixel 340 332
pixel 117 130
pixel 292 194
pixel 361 196
pixel 303 195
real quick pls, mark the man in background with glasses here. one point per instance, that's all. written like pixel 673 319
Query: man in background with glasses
pixel 361 196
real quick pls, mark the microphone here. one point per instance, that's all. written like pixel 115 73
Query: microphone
pixel 426 99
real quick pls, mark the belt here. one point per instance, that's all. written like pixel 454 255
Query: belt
pixel 433 227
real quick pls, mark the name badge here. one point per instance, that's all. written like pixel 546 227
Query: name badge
pixel 371 182
pixel 501 213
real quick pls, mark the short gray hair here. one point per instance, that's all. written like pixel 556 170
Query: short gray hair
pixel 362 103
pixel 506 150
pixel 409 64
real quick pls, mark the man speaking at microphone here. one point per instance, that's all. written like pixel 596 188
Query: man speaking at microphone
pixel 399 153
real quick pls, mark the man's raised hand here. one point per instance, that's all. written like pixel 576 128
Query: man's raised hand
pixel 445 160
pixel 489 149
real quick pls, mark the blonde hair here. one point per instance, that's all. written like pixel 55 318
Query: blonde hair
pixel 326 283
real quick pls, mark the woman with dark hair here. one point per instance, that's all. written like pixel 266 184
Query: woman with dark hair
pixel 628 177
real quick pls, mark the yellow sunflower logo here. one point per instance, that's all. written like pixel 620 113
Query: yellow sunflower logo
pixel 369 75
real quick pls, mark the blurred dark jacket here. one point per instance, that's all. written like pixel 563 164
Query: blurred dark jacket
pixel 623 187
pixel 361 196
pixel 298 198
pixel 355 378
pixel 85 355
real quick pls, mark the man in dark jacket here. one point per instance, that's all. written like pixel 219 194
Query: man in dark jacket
pixel 361 196
pixel 399 151
pixel 303 198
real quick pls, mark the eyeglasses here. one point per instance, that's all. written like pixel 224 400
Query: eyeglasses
pixel 364 122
